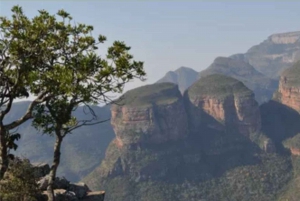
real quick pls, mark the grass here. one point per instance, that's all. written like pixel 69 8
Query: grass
pixel 160 93
pixel 219 86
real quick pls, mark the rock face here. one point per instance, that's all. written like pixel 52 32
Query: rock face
pixel 150 114
pixel 289 88
pixel 285 38
pixel 274 55
pixel 219 145
pixel 262 86
pixel 228 101
pixel 183 77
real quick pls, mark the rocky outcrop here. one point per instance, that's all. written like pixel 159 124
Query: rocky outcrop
pixel 295 151
pixel 64 190
pixel 228 101
pixel 285 38
pixel 289 88
pixel 149 114
pixel 274 55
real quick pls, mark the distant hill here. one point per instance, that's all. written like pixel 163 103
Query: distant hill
pixel 262 86
pixel 183 77
pixel 274 55
pixel 81 151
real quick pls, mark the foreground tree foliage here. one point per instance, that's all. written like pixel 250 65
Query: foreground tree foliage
pixel 55 59
pixel 18 183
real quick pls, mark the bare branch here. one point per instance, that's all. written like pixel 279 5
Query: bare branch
pixel 28 115
pixel 85 123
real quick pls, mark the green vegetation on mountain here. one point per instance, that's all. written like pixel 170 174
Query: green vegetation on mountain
pixel 291 76
pixel 160 93
pixel 293 142
pixel 220 86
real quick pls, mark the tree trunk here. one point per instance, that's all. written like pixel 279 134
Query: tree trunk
pixel 3 152
pixel 56 160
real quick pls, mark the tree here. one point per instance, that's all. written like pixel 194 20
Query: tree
pixel 24 66
pixel 87 79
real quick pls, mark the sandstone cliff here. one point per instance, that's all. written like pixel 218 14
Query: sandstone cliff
pixel 289 88
pixel 167 147
pixel 149 114
pixel 228 101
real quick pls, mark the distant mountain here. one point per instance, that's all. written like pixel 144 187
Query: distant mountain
pixel 259 68
pixel 274 55
pixel 262 86
pixel 183 77
pixel 82 150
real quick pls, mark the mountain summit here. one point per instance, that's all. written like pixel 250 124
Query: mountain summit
pixel 183 77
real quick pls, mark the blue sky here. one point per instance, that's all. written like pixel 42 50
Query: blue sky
pixel 169 34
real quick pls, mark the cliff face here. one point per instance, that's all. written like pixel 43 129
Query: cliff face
pixel 208 139
pixel 274 55
pixel 228 101
pixel 162 118
pixel 289 88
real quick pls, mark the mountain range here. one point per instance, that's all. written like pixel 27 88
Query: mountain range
pixel 229 132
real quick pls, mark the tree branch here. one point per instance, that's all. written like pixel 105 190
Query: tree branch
pixel 28 115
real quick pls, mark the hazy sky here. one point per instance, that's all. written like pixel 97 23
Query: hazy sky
pixel 167 35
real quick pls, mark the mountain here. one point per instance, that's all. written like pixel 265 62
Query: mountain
pixel 262 86
pixel 259 68
pixel 183 77
pixel 277 53
pixel 81 151
pixel 204 145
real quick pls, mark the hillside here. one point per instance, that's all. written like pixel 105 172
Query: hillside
pixel 221 156
pixel 81 151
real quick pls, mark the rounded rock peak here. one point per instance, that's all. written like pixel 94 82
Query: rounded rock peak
pixel 218 86
pixel 159 93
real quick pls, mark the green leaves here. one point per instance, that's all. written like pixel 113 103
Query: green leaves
pixel 51 55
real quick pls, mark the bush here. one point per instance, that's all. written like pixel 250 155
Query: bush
pixel 19 183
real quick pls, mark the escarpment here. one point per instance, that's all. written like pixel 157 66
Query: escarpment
pixel 165 142
pixel 150 114
pixel 289 88
pixel 228 101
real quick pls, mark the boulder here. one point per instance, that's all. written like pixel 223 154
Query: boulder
pixel 43 183
pixel 41 169
pixel 95 196
pixel 61 183
pixel 80 189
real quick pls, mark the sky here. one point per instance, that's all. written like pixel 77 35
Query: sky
pixel 169 34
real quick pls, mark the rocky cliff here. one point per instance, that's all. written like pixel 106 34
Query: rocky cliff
pixel 228 101
pixel 150 114
pixel 274 55
pixel 199 146
pixel 289 88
